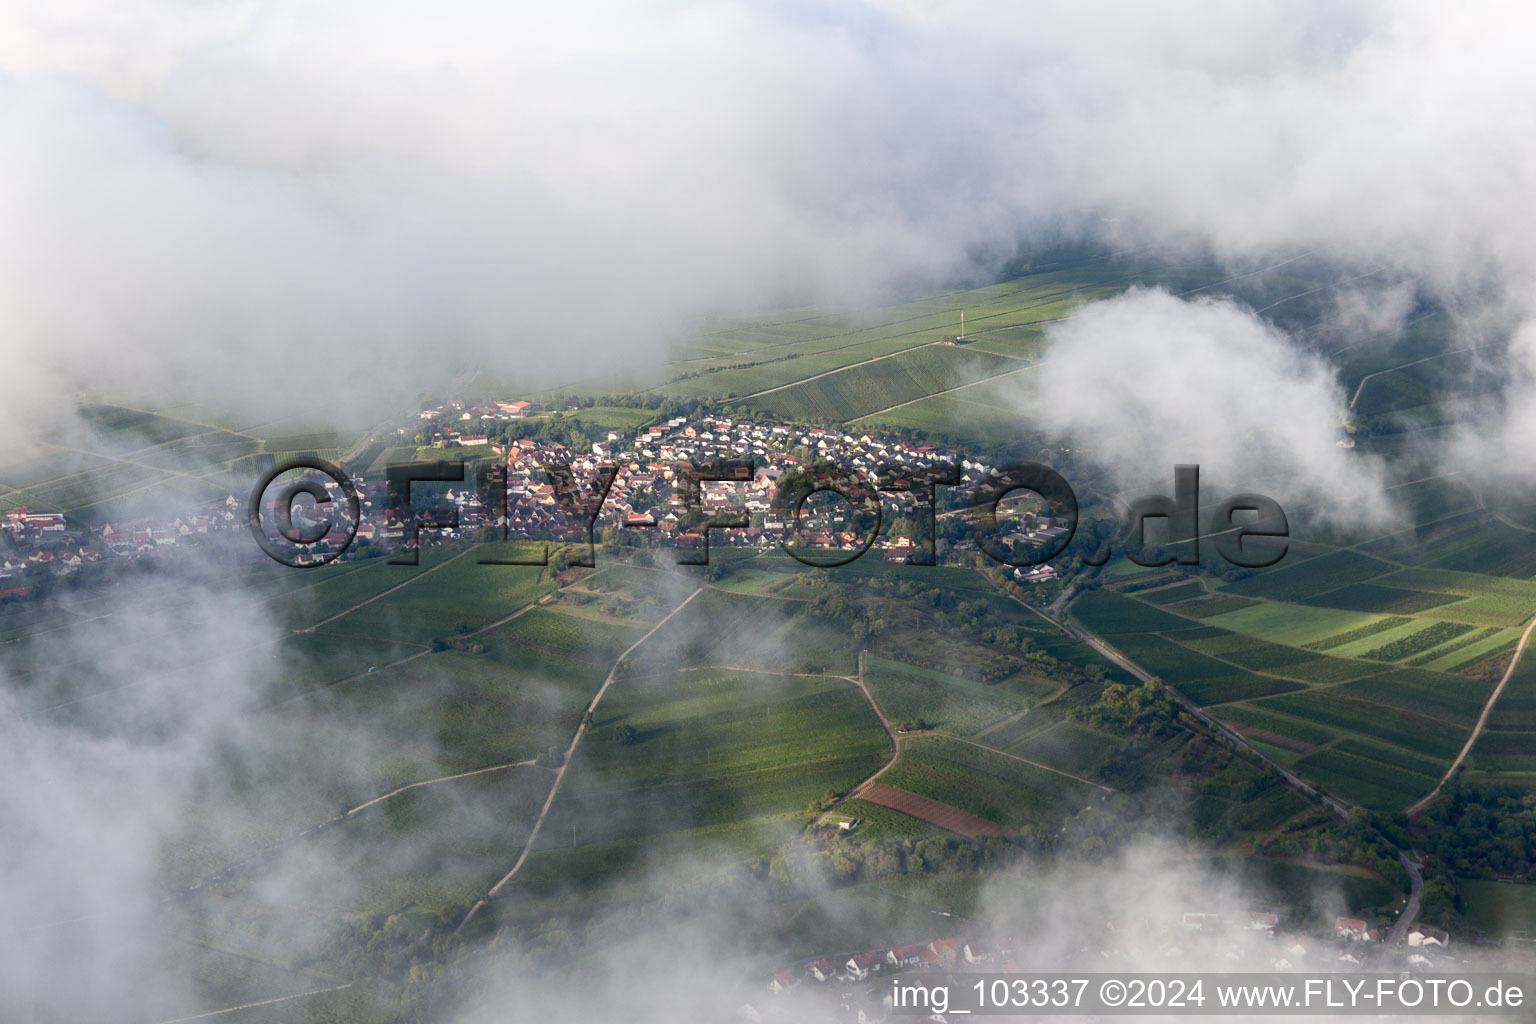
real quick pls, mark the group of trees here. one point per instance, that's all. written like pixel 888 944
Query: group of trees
pixel 889 608
pixel 1484 831
pixel 1356 841
pixel 1136 711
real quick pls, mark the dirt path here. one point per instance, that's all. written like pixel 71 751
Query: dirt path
pixel 1393 369
pixel 1482 720
pixel 414 655
pixel 385 593
pixel 948 391
pixel 1482 503
pixel 890 731
pixel 581 730
pixel 240 866
pixel 840 369
pixel 263 1002
pixel 431 782
pixel 1032 764
pixel 1290 777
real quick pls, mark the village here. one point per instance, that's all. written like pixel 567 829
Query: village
pixel 855 988
pixel 511 492
pixel 650 485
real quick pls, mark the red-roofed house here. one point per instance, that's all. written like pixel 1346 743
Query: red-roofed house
pixel 1350 928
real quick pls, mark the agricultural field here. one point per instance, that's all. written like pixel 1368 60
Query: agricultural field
pixel 739 359
pixel 734 726
pixel 945 703
pixel 1366 700
pixel 1068 746
pixel 988 785
pixel 1373 597
pixel 1433 694
pixel 1509 744
pixel 1380 786
pixel 1500 908
pixel 1275 659
pixel 1416 643
pixel 1291 624
pixel 1309 579
pixel 1268 724
pixel 1202 679
pixel 427 850
pixel 859 391
pixel 1475 542
pixel 457 599
pixel 1491 600
pixel 976 416
pixel 1106 612
pixel 1413 732
pixel 714 751
pixel 467 710
pixel 932 812
pixel 132 460
pixel 1210 607
pixel 1174 594
pixel 1465 650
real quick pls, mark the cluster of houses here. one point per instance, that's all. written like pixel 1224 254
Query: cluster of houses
pixel 45 540
pixel 648 489
pixel 462 425
pixel 517 493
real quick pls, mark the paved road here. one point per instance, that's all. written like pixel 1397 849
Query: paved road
pixel 1405 920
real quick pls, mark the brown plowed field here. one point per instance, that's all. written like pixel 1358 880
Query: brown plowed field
pixel 931 811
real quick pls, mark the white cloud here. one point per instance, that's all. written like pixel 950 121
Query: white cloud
pixel 1148 380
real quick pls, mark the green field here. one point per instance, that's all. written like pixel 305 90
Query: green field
pixel 1309 579
pixel 946 703
pixel 1278 659
pixel 727 732
pixel 989 785
pixel 1294 625
pixel 1413 732
pixel 1435 695
pixel 1068 746
pixel 1500 908
pixel 713 751
pixel 858 392
pixel 1104 611
pixel 455 600
pixel 1202 679
pixel 1372 597
pixel 1372 784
